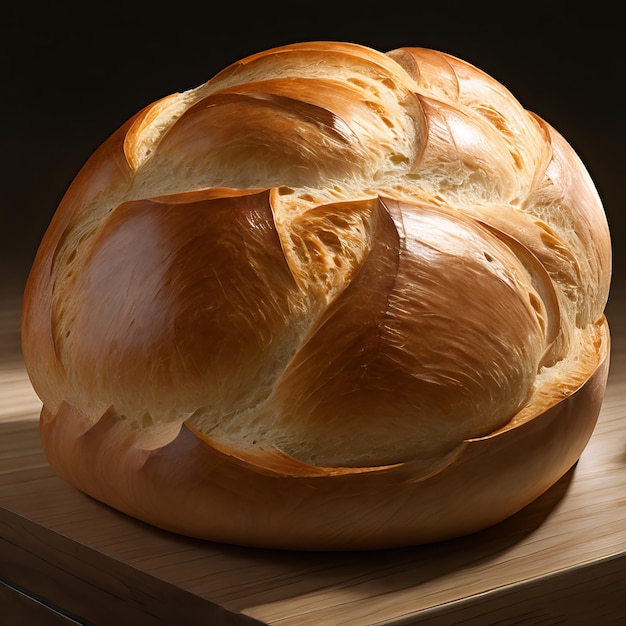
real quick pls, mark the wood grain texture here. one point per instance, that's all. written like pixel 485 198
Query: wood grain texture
pixel 21 609
pixel 561 560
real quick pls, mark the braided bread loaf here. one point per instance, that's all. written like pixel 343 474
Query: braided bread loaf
pixel 331 299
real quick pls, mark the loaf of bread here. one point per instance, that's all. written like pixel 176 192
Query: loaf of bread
pixel 332 299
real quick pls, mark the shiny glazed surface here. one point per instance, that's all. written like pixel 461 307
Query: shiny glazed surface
pixel 330 262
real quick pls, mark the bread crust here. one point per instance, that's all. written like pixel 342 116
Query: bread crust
pixel 331 299
pixel 195 487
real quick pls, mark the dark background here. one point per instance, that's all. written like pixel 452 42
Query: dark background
pixel 75 73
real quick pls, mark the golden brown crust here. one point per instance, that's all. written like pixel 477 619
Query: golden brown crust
pixel 321 301
pixel 191 486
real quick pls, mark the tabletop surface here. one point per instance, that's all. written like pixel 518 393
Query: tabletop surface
pixel 562 559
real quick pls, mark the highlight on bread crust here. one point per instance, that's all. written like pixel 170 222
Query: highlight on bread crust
pixel 332 299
